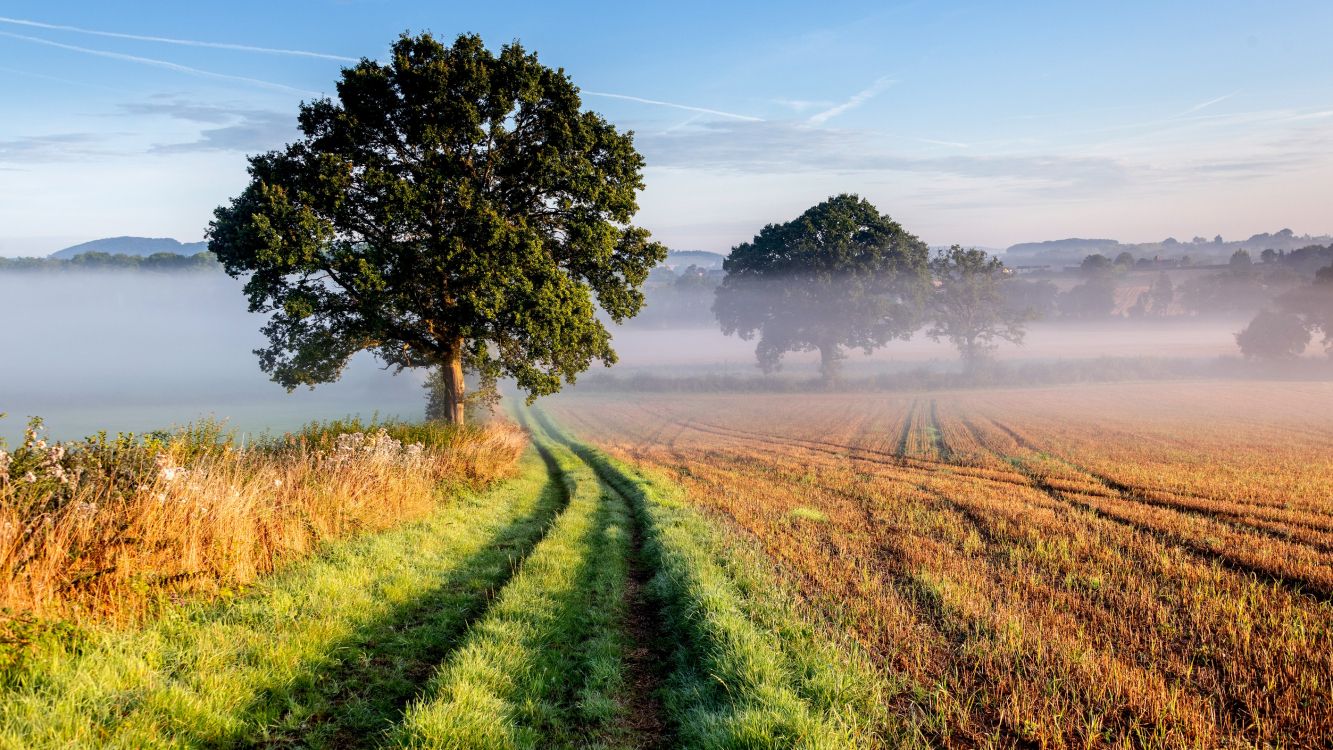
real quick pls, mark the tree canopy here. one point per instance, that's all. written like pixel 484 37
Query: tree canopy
pixel 968 306
pixel 840 275
pixel 453 208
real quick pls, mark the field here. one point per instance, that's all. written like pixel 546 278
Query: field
pixel 576 603
pixel 1130 565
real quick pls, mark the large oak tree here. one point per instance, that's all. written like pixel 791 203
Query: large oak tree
pixel 453 208
pixel 840 275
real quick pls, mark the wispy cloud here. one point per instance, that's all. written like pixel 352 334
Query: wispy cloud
pixel 170 40
pixel 787 147
pixel 857 99
pixel 48 148
pixel 1207 104
pixel 660 103
pixel 801 105
pixel 950 144
pixel 161 64
pixel 238 129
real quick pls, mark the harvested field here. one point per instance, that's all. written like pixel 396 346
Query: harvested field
pixel 1136 564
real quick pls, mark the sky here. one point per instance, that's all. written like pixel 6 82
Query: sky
pixel 980 123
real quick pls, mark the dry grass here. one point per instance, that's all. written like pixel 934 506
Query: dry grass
pixel 1139 565
pixel 109 527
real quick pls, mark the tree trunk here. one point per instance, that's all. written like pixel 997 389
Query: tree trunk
pixel 452 374
pixel 830 362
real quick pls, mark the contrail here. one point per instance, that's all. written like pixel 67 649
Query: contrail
pixel 859 98
pixel 162 64
pixel 687 107
pixel 181 42
pixel 1209 103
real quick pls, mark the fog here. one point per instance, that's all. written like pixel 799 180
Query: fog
pixel 700 349
pixel 127 351
pixel 141 351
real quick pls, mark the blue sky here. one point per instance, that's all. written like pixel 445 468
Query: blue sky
pixel 982 123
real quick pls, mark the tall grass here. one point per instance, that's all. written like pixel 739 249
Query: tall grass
pixel 109 526
pixel 325 653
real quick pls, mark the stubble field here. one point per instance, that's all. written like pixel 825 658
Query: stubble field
pixel 1132 565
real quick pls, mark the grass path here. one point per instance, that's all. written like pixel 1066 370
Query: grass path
pixel 748 668
pixel 583 604
pixel 323 654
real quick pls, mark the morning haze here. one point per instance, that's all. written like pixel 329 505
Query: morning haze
pixel 693 376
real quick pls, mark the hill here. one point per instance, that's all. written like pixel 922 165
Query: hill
pixel 1217 250
pixel 677 259
pixel 132 246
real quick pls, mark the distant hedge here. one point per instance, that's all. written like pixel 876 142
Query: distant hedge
pixel 160 262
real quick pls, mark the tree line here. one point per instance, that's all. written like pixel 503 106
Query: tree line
pixel 456 209
pixel 95 261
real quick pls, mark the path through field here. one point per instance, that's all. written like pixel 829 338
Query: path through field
pixel 580 604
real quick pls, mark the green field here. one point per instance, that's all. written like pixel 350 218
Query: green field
pixel 578 604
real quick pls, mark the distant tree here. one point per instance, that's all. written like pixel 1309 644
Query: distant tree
pixel 1186 261
pixel 1094 298
pixel 1038 297
pixel 1217 240
pixel 840 275
pixel 1095 265
pixel 99 261
pixel 1161 294
pixel 1274 335
pixel 1312 305
pixel 454 209
pixel 1156 300
pixel 968 304
pixel 1124 260
pixel 1240 262
pixel 1269 255
pixel 694 278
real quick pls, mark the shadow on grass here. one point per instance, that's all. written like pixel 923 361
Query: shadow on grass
pixel 361 688
pixel 544 647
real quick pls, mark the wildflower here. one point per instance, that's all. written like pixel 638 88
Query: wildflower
pixel 277 482
pixel 30 478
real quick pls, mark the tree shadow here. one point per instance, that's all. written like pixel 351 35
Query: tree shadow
pixel 364 682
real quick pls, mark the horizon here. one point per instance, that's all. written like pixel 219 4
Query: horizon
pixel 969 125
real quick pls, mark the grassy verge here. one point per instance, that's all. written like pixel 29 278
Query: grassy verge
pixel 327 652
pixel 545 666
pixel 112 527
pixel 749 669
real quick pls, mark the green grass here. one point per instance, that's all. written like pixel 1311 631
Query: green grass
pixel 749 668
pixel 499 622
pixel 545 666
pixel 324 654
